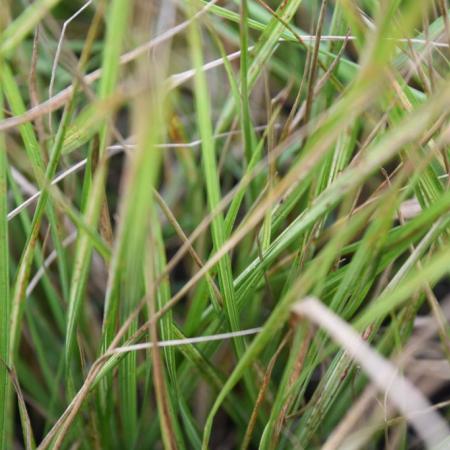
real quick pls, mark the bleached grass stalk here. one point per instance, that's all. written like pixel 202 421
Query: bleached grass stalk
pixel 57 101
pixel 187 341
pixel 112 151
pixel 430 426
pixel 60 44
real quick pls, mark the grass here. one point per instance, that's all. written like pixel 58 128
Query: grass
pixel 239 232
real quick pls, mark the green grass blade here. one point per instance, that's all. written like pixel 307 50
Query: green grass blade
pixel 5 300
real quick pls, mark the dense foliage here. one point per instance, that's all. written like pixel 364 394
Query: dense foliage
pixel 224 224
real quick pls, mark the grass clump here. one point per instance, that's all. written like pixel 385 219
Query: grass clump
pixel 224 224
